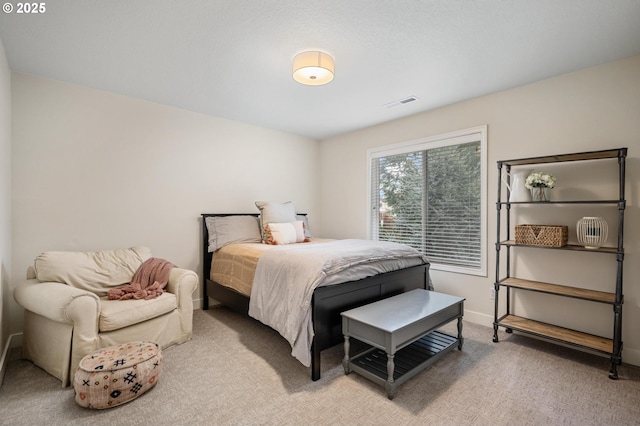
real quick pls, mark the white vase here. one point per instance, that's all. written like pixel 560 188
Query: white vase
pixel 540 193
pixel 592 232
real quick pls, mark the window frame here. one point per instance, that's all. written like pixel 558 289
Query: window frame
pixel 473 134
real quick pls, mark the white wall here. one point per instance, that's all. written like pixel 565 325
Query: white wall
pixel 597 108
pixel 94 170
pixel 5 202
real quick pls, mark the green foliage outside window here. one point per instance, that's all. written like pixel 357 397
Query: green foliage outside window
pixel 430 200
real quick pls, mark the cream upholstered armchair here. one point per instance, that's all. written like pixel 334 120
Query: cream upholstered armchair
pixel 68 315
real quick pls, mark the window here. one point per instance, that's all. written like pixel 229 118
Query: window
pixel 431 194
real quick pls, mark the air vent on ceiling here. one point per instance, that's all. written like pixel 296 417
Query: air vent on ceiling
pixel 400 102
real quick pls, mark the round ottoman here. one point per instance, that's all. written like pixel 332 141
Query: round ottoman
pixel 117 374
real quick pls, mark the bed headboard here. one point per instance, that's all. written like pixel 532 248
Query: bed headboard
pixel 206 256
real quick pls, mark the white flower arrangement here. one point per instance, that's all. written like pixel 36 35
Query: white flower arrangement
pixel 540 180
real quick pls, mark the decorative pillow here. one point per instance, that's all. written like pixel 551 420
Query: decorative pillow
pixel 271 212
pixel 285 233
pixel 225 230
pixel 305 222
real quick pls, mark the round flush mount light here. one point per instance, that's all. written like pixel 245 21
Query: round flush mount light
pixel 313 68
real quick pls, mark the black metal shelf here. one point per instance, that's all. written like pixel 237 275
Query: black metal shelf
pixel 559 290
pixel 558 334
pixel 578 156
pixel 611 346
pixel 571 247
pixel 546 203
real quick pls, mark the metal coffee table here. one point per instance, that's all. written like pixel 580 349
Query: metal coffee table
pixel 402 331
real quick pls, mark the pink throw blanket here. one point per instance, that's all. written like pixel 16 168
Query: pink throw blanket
pixel 147 283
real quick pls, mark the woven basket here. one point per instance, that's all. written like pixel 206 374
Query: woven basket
pixel 542 235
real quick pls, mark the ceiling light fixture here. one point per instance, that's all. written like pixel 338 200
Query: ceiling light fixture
pixel 313 68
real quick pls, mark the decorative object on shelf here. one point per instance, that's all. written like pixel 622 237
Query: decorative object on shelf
pixel 539 183
pixel 540 193
pixel 517 190
pixel 542 235
pixel 592 232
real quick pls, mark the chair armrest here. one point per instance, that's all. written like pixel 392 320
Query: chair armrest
pixel 58 302
pixel 182 283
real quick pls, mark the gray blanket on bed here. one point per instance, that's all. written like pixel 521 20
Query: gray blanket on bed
pixel 286 277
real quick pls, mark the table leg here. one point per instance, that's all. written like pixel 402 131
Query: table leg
pixel 345 361
pixel 390 385
pixel 460 338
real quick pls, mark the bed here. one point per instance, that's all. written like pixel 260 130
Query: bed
pixel 326 301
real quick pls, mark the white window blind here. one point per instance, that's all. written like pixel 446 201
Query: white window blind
pixel 431 195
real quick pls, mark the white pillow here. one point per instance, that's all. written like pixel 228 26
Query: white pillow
pixel 225 230
pixel 285 233
pixel 298 226
pixel 271 212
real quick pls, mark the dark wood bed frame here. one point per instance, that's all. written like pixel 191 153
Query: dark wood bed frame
pixel 327 302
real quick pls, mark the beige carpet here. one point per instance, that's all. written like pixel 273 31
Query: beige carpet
pixel 237 371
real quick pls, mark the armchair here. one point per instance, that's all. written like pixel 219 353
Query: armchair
pixel 67 314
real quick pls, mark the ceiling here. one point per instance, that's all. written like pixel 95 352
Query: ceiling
pixel 233 58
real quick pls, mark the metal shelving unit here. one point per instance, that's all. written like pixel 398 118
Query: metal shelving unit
pixel 612 345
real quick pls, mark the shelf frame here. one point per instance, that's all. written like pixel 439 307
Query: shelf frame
pixel 610 346
pixel 562 158
pixel 558 334
pixel 571 247
pixel 560 290
pixel 546 203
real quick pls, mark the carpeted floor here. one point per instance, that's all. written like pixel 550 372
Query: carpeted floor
pixel 237 371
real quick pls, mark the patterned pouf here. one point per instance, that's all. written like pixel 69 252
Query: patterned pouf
pixel 117 374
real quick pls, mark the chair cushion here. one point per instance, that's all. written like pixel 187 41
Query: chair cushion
pixel 116 314
pixel 96 272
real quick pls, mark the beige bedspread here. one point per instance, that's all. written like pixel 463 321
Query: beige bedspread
pixel 234 265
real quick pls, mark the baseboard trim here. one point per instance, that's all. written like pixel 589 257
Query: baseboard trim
pixel 631 356
pixel 478 318
pixel 14 341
